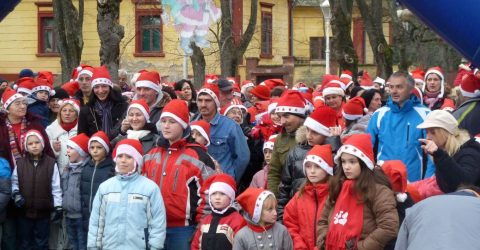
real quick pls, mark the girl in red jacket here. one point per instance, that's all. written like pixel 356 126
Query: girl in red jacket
pixel 303 211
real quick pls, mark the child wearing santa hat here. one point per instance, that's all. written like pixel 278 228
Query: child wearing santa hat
pixel 262 230
pixel 38 101
pixel 217 230
pixel 201 135
pixel 307 204
pixel 259 180
pixel 128 210
pixel 360 212
pixel 36 193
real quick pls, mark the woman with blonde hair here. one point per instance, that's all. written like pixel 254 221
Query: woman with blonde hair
pixel 456 155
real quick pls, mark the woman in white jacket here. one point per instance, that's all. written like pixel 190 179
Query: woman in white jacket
pixel 62 129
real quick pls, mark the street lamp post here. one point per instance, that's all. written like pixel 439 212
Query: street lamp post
pixel 327 16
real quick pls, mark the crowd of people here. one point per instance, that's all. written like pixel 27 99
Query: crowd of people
pixel 350 163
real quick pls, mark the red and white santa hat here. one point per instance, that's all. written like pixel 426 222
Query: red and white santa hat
pixel 251 200
pixel 141 105
pixel 379 80
pixel 101 76
pixel 236 91
pixel 225 184
pixel 178 110
pixel 131 147
pixel 211 90
pixel 436 70
pixel 42 85
pixel 292 102
pixel 149 79
pixel 86 70
pixel 80 144
pixel 418 93
pixel 210 78
pixel 34 132
pixel 354 109
pixel 47 75
pixel 346 74
pixel 333 88
pixel 74 102
pixel 25 85
pixel 418 76
pixel 470 86
pixel 233 104
pixel 203 128
pixel 262 92
pixel 270 143
pixel 359 145
pixel 71 87
pixel 272 83
pixel 101 138
pixel 9 96
pixel 322 156
pixel 245 85
pixel 396 171
pixel 366 82
pixel 321 120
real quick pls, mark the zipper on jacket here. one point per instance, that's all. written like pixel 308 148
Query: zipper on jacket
pixel 163 169
pixel 315 220
pixel 175 180
pixel 408 133
pixel 91 190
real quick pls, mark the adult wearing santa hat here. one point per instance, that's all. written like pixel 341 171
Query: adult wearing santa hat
pixel 334 97
pixel 467 114
pixel 435 90
pixel 84 79
pixel 148 87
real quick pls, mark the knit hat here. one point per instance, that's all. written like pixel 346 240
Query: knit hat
pixel 131 147
pixel 322 156
pixel 367 82
pixel 321 120
pixel 225 184
pixel 224 85
pixel 270 143
pixel 80 144
pixel 252 200
pixel 203 128
pixel 142 105
pixel 101 76
pixel 101 138
pixel 86 70
pixel 71 87
pixel 436 70
pixel 418 93
pixel 36 133
pixel 245 85
pixel 178 110
pixel 9 96
pixel 359 145
pixel 354 109
pixel 211 90
pixel 26 73
pixel 470 86
pixel 379 80
pixel 333 88
pixel 74 102
pixel 46 75
pixel 292 102
pixel 233 104
pixel 346 74
pixel 42 85
pixel 149 79
pixel 210 78
pixel 25 85
pixel 262 92
pixel 397 173
pixel 60 93
pixel 440 119
pixel 418 75
pixel 368 95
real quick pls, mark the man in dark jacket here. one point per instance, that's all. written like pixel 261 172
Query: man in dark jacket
pixel 468 116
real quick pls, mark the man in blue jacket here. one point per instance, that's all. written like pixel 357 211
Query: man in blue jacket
pixel 228 144
pixel 394 128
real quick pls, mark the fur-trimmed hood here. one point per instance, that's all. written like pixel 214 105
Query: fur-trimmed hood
pixel 301 135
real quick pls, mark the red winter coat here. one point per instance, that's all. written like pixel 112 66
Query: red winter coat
pixel 302 214
pixel 177 170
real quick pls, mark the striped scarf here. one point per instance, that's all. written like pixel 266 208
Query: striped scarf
pixel 15 143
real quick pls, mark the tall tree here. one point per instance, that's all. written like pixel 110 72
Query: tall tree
pixel 198 65
pixel 110 33
pixel 343 50
pixel 69 26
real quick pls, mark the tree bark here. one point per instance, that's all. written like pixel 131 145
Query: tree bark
pixel 372 16
pixel 401 38
pixel 110 33
pixel 343 51
pixel 69 26
pixel 198 65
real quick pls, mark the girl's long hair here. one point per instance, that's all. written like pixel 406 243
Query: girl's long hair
pixel 364 186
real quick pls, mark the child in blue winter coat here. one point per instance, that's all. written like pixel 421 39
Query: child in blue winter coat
pixel 38 101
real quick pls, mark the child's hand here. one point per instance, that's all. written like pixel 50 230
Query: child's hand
pixel 57 145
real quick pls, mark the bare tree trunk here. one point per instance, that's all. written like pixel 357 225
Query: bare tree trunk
pixel 110 33
pixel 343 50
pixel 372 16
pixel 198 65
pixel 69 25
pixel 401 38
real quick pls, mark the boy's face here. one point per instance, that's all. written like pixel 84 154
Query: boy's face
pixel 269 211
pixel 267 153
pixel 124 163
pixel 219 200
pixel 199 138
pixel 42 95
pixel 314 138
pixel 73 155
pixel 34 146
pixel 97 151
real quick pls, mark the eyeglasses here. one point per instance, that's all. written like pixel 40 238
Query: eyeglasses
pixel 19 103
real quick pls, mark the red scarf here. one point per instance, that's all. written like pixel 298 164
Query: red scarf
pixel 347 220
pixel 68 126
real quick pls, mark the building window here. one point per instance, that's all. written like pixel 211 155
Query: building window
pixel 317 47
pixel 266 33
pixel 149 32
pixel 47 39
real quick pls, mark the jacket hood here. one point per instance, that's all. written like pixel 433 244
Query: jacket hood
pixel 301 135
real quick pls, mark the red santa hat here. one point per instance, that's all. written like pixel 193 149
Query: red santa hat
pixel 203 128
pixel 42 84
pixel 9 96
pixel 262 92
pixel 131 147
pixel 359 145
pixel 233 104
pixel 418 75
pixel 34 132
pixel 354 109
pixel 74 102
pixel 47 75
pixel 25 85
pixel 470 86
pixel 436 70
pixel 210 78
pixel 270 143
pixel 366 82
pixel 272 83
pixel 333 88
pixel 236 91
pixel 101 138
pixel 141 105
pixel 71 87
pixel 101 76
pixel 86 70
pixel 80 144
pixel 245 85
pixel 322 156
pixel 321 120
pixel 149 79
pixel 76 71
pixel 211 90
pixel 291 102
pixel 222 183
pixel 178 110
pixel 251 200
pixel 418 93
pixel 396 171
pixel 346 74
pixel 272 105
